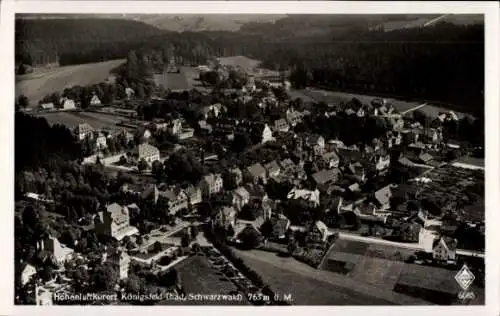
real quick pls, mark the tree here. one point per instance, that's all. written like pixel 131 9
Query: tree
pixel 142 165
pixel 134 284
pixel 185 240
pixel 194 232
pixel 104 278
pixel 250 238
pixel 157 247
pixel 23 101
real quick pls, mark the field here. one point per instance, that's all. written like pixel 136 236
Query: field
pixel 72 119
pixel 384 266
pixel 185 80
pixel 287 275
pixel 198 277
pixel 245 63
pixel 37 85
pixel 334 97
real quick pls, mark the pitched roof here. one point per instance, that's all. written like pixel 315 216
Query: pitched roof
pixel 383 196
pixel 241 191
pixel 211 178
pixel 325 176
pixel 426 157
pixel 450 243
pixel 84 128
pixel 147 150
pixel 256 170
pixel 272 166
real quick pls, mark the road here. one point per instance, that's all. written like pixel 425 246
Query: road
pixel 414 108
pixel 371 240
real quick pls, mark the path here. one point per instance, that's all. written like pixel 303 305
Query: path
pixel 370 240
pixel 414 108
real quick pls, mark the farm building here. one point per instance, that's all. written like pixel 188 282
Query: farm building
pixel 95 100
pixel 47 106
pixel 67 104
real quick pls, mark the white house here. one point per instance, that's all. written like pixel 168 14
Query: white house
pixel 95 100
pixel 148 152
pixel 27 273
pixel 67 104
pixel 444 249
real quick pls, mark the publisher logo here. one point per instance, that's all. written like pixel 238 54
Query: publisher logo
pixel 464 277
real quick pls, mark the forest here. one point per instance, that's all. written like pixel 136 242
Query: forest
pixel 442 63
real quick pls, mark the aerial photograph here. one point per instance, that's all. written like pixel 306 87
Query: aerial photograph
pixel 258 159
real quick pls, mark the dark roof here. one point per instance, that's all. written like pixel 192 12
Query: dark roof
pixel 425 157
pixel 256 170
pixel 450 243
pixel 280 226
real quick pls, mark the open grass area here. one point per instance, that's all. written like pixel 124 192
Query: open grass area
pixel 198 277
pixel 37 85
pixel 186 79
pixel 335 97
pixel 248 64
pixel 72 119
pixel 306 290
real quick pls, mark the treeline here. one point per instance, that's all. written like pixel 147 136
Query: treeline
pixel 38 144
pixel 443 63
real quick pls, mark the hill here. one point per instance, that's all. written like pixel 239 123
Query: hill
pixel 42 40
pixel 38 85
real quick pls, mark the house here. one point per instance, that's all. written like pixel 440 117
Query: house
pixel 425 158
pixel 50 246
pixel 193 194
pixel 120 259
pixel 148 152
pixel 382 161
pixel 43 296
pixel 27 273
pixel 281 125
pixel 175 127
pixel 83 130
pixel 316 233
pixel 266 134
pixel 287 166
pixel 226 217
pixel 129 92
pixel 238 175
pixel 213 111
pixel 382 199
pixel 127 136
pixel 100 141
pixel 280 227
pixel 334 144
pixel 293 117
pixel 47 106
pixel 272 168
pixel 240 198
pixel 133 207
pixel 114 222
pixel 317 142
pixel 444 249
pixel 307 195
pixel 177 199
pixel 67 104
pixel 358 171
pixel 211 184
pixel 331 160
pixel 326 176
pixel 257 193
pixel 257 173
pixel 95 101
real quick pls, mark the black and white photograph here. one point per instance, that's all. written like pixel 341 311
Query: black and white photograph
pixel 250 159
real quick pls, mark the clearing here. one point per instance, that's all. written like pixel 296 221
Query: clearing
pixel 37 85
pixel 287 275
pixel 335 97
pixel 247 64
pixel 72 119
pixel 186 79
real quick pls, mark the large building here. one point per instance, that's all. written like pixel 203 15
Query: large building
pixel 50 246
pixel 148 152
pixel 114 222
pixel 83 130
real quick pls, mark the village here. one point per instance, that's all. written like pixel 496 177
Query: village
pixel 258 170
